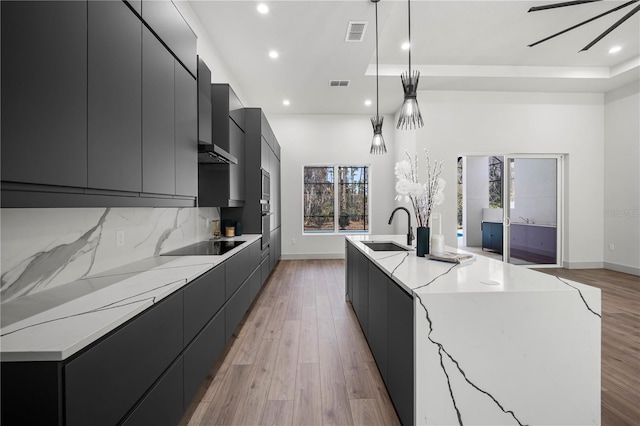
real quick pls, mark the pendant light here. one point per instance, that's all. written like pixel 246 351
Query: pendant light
pixel 410 116
pixel 377 144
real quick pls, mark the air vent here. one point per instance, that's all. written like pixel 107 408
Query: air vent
pixel 339 83
pixel 355 31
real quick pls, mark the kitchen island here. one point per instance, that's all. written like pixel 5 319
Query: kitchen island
pixel 491 343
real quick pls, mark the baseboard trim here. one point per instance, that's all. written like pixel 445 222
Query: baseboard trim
pixel 622 268
pixel 305 256
pixel 583 265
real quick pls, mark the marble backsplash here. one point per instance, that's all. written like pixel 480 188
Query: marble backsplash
pixel 43 248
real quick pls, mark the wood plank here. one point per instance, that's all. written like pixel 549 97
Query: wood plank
pixel 383 401
pixel 234 387
pixel 352 363
pixel 283 381
pixel 336 409
pixel 307 407
pixel 252 332
pixel 250 409
pixel 365 412
pixel 277 413
pixel 308 349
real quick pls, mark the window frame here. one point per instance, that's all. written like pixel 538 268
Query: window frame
pixel 336 200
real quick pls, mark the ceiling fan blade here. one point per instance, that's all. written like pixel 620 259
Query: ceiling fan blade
pixel 611 28
pixel 563 4
pixel 587 21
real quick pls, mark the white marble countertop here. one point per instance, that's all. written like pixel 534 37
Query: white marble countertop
pixel 483 275
pixel 54 324
pixel 497 343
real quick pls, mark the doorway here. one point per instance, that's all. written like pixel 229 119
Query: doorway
pixel 509 207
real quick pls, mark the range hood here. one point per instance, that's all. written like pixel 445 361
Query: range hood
pixel 214 154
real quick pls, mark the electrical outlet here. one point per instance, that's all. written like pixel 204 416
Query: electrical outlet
pixel 293 241
pixel 612 247
pixel 119 238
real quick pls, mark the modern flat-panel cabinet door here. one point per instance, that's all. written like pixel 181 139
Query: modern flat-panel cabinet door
pixel 115 97
pixel 186 137
pixel 44 92
pixel 400 350
pixel 163 405
pixel 158 156
pixel 104 382
pixel 377 336
pixel 201 355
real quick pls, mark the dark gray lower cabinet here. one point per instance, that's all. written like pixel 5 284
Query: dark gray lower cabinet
pixel 360 300
pixel 265 269
pixel 377 333
pixel 103 383
pixel 203 297
pixel 385 312
pixel 238 268
pixel 163 404
pixel 201 355
pixel 235 309
pixel 400 353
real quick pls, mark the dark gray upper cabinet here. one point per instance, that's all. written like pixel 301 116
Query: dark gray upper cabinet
pixel 186 136
pixel 44 92
pixel 221 184
pixel 167 22
pixel 158 156
pixel 204 103
pixel 224 105
pixel 115 97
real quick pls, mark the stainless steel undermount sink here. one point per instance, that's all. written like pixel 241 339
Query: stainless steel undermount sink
pixel 384 246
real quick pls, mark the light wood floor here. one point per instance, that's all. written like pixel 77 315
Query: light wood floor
pixel 300 358
pixel 620 341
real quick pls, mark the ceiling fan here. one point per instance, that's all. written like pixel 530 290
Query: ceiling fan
pixel 577 2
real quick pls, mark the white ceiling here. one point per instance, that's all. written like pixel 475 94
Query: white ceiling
pixel 456 45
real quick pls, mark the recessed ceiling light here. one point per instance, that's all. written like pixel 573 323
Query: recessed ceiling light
pixel 615 49
pixel 405 45
pixel 273 54
pixel 263 9
pixel 367 102
pixel 286 102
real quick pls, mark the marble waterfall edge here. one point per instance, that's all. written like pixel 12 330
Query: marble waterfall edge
pixel 44 248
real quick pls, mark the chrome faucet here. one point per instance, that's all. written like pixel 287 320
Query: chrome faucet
pixel 410 229
pixel 526 219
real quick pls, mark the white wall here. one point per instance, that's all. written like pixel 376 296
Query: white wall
pixel 494 123
pixel 622 179
pixel 208 51
pixel 330 139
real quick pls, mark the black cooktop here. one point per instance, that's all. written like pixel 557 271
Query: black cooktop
pixel 206 248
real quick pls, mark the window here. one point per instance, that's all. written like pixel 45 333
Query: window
pixel 336 199
pixel 495 182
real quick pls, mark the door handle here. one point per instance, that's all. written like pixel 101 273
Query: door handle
pixel 507 221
